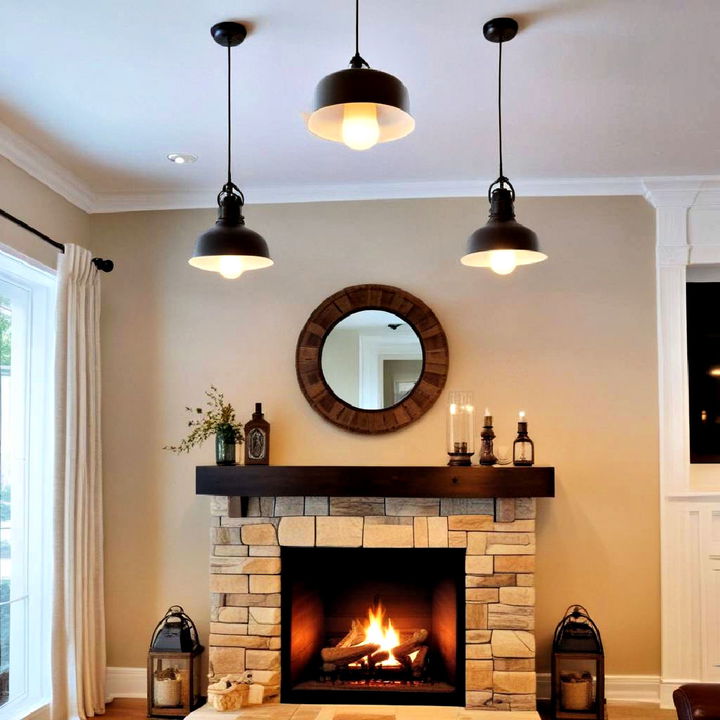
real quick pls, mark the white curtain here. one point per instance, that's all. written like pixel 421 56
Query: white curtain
pixel 78 633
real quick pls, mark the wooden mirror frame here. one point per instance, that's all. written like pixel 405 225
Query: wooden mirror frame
pixel 372 297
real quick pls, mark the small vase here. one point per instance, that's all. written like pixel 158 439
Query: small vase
pixel 225 446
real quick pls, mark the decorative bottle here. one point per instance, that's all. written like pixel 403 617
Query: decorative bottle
pixel 257 438
pixel 523 447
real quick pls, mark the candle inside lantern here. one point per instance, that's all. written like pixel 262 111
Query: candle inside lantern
pixel 523 447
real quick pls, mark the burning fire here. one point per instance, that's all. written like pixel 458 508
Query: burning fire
pixel 384 635
pixel 381 632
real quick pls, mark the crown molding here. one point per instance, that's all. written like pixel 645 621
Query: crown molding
pixel 42 167
pixel 697 191
pixel 561 187
pixel 683 191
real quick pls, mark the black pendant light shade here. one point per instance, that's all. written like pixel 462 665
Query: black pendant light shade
pixel 503 243
pixel 229 247
pixel 367 93
pixel 360 106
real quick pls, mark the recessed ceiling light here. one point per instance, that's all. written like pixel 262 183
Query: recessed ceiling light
pixel 181 158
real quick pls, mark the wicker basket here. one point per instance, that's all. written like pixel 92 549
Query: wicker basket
pixel 168 693
pixel 227 695
pixel 576 691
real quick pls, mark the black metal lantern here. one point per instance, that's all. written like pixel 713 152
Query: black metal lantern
pixel 174 666
pixel 503 243
pixel 230 248
pixel 578 667
pixel 359 106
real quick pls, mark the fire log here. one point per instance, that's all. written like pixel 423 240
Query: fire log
pixel 402 651
pixel 378 657
pixel 418 664
pixel 354 637
pixel 343 656
pixel 418 638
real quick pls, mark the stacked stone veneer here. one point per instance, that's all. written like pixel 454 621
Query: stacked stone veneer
pixel 499 537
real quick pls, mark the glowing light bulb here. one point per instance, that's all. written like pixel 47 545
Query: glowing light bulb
pixel 360 128
pixel 503 262
pixel 231 266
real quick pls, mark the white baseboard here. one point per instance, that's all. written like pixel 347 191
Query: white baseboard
pixel 125 682
pixel 131 682
pixel 668 687
pixel 618 688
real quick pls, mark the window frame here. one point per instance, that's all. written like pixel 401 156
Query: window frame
pixel 38 286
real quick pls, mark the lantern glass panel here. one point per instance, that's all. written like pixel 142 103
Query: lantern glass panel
pixel 576 679
pixel 170 680
pixel 196 681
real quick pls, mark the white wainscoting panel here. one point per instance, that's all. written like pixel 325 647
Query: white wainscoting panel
pixel 126 682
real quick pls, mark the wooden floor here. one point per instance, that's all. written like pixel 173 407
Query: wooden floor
pixel 127 709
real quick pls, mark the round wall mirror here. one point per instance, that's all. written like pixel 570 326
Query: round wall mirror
pixel 372 358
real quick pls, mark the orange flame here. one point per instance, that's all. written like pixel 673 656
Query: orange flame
pixel 382 634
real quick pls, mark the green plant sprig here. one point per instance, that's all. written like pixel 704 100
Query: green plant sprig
pixel 218 417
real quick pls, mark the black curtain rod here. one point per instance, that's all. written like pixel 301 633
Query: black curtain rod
pixel 99 263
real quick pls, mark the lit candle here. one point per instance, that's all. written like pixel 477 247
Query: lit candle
pixel 488 417
pixel 521 416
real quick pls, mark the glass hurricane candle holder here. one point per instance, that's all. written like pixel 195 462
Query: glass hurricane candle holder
pixel 460 428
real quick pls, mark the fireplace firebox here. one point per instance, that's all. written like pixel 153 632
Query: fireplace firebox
pixel 373 626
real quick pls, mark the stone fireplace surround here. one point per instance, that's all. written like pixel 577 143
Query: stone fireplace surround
pixel 497 534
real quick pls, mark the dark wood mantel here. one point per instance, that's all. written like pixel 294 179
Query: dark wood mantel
pixel 370 481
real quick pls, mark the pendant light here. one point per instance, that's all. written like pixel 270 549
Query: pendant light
pixel 360 106
pixel 230 248
pixel 503 243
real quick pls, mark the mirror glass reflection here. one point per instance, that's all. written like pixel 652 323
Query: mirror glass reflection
pixel 372 359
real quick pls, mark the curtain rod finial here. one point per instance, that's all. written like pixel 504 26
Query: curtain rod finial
pixel 103 265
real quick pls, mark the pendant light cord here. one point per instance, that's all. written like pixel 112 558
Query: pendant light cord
pixel 502 181
pixel 229 116
pixel 357 61
pixel 500 152
pixel 229 188
pixel 357 27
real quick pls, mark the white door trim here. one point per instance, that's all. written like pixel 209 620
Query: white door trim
pixel 685 589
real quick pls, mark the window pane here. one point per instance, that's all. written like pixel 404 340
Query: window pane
pixel 703 340
pixel 5 380
pixel 4 642
pixel 25 401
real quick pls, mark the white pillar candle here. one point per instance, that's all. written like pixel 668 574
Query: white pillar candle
pixel 256 692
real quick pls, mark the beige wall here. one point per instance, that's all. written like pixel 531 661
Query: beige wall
pixel 571 341
pixel 34 203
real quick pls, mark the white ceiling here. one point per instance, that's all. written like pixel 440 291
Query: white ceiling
pixel 594 88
